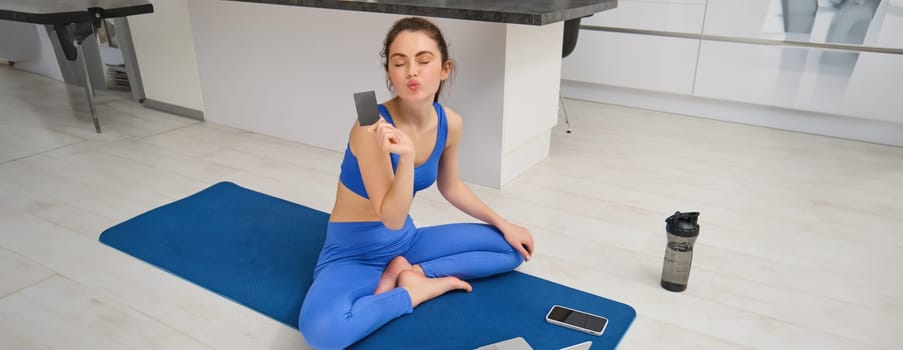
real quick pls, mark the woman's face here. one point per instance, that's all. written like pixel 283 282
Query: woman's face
pixel 415 66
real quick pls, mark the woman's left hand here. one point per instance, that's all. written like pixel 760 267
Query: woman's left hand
pixel 519 238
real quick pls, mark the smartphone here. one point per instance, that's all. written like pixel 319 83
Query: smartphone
pixel 365 102
pixel 576 320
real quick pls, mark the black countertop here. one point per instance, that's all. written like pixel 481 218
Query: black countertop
pixel 70 11
pixel 532 12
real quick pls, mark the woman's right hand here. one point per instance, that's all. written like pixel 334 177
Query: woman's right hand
pixel 391 139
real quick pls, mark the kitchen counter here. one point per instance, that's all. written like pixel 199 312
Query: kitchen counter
pixel 530 12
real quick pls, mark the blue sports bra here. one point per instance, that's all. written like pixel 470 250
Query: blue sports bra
pixel 424 174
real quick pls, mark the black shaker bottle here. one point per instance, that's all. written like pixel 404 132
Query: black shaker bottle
pixel 682 232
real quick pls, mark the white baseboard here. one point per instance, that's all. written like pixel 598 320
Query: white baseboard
pixel 853 128
pixel 174 109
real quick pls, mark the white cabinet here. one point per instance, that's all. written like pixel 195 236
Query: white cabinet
pixel 671 16
pixel 636 61
pixel 857 84
pixel 842 82
pixel 649 62
pixel 870 23
pixel 827 61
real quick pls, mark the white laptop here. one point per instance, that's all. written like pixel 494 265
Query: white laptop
pixel 520 343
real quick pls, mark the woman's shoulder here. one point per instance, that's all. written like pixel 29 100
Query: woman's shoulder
pixel 455 126
pixel 454 120
pixel 356 137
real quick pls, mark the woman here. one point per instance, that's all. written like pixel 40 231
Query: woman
pixel 376 265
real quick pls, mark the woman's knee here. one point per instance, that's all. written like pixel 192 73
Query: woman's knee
pixel 515 257
pixel 323 329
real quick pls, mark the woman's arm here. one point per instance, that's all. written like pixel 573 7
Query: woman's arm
pixel 460 196
pixel 390 193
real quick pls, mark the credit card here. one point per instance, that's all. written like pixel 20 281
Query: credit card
pixel 365 102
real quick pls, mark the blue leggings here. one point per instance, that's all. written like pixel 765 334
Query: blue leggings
pixel 340 307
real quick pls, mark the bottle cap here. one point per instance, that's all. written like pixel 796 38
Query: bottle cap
pixel 683 224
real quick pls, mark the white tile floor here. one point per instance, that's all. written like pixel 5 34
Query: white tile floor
pixel 801 244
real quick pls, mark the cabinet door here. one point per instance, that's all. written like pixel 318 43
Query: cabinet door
pixel 656 63
pixel 860 84
pixel 632 60
pixel 870 23
pixel 679 16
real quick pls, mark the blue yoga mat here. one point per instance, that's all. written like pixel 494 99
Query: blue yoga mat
pixel 260 251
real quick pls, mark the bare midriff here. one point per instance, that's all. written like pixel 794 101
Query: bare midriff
pixel 351 207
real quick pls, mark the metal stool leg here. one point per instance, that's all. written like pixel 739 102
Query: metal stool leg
pixel 566 120
pixel 89 90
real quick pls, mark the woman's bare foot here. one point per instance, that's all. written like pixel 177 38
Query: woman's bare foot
pixel 389 279
pixel 422 288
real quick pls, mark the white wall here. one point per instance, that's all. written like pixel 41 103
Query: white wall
pixel 165 48
pixel 271 71
pixel 29 46
pixel 19 41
